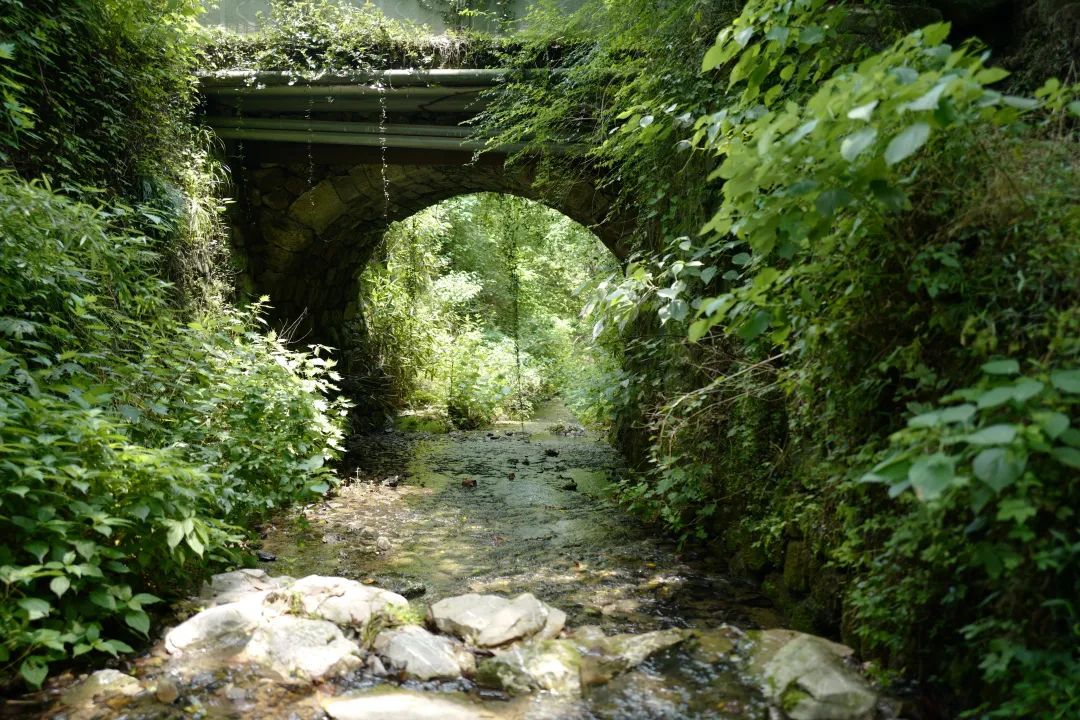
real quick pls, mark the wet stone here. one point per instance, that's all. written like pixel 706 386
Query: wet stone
pixel 399 704
pixel 490 620
pixel 101 685
pixel 606 657
pixel 424 656
pixel 303 649
pixel 807 677
pixel 551 665
pixel 339 600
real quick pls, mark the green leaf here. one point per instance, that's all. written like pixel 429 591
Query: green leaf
pixel 932 475
pixel 195 544
pixel 713 57
pixel 175 534
pixel 811 35
pixel 830 201
pixel 102 598
pixel 863 112
pixel 755 325
pixel 1067 456
pixel 958 413
pixel 929 101
pixel 116 646
pixel 34 671
pixel 38 549
pixel 989 76
pixel 857 143
pixel 997 467
pixel 1021 391
pixel 1001 367
pixel 907 143
pixel 1066 381
pixel 1017 509
pixel 888 195
pixel 925 420
pixel 697 330
pixel 59 585
pixel 992 435
pixel 138 620
pixel 36 608
pixel 1020 103
pixel 1052 423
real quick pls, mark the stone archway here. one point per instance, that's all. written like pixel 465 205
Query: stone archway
pixel 305 230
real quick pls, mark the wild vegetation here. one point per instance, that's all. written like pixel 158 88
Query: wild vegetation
pixel 474 310
pixel 846 352
pixel 143 422
pixel 868 250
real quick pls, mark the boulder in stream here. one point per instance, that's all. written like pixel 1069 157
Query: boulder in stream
pixel 552 665
pixel 605 657
pixel 806 676
pixel 221 630
pixel 302 648
pixel 491 620
pixel 338 600
pixel 101 685
pixel 424 656
pixel 401 704
pixel 240 585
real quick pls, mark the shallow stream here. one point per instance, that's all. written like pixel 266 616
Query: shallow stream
pixel 522 507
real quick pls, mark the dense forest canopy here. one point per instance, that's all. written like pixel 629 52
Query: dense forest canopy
pixel 845 352
pixel 474 310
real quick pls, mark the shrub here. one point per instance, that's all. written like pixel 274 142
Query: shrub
pixel 134 447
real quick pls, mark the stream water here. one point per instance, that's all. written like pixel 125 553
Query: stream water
pixel 512 509
pixel 539 519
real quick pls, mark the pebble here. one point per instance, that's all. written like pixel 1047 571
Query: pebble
pixel 166 692
pixel 383 543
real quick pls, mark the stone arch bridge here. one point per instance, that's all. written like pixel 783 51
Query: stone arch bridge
pixel 322 167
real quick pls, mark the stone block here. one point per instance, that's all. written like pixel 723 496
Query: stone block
pixel 318 208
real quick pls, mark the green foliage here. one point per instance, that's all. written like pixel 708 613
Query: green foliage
pixel 95 91
pixel 341 38
pixel 839 224
pixel 133 445
pixel 984 554
pixel 474 309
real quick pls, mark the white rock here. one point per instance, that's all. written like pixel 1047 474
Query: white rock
pixel 220 630
pixel 101 684
pixel 605 657
pixel 556 621
pixel 239 585
pixel 423 655
pixel 398 704
pixel 806 676
pixel 341 601
pixel 383 544
pixel 551 665
pixel 490 620
pixel 302 648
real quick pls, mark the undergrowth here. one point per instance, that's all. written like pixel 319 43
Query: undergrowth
pixel 144 420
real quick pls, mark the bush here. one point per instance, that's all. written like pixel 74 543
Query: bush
pixel 137 447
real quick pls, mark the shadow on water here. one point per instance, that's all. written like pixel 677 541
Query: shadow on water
pixel 539 519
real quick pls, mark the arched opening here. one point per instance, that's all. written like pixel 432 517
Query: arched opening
pixel 309 218
pixel 470 314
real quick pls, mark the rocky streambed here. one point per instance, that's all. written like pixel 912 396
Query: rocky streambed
pixel 326 647
pixel 481 574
